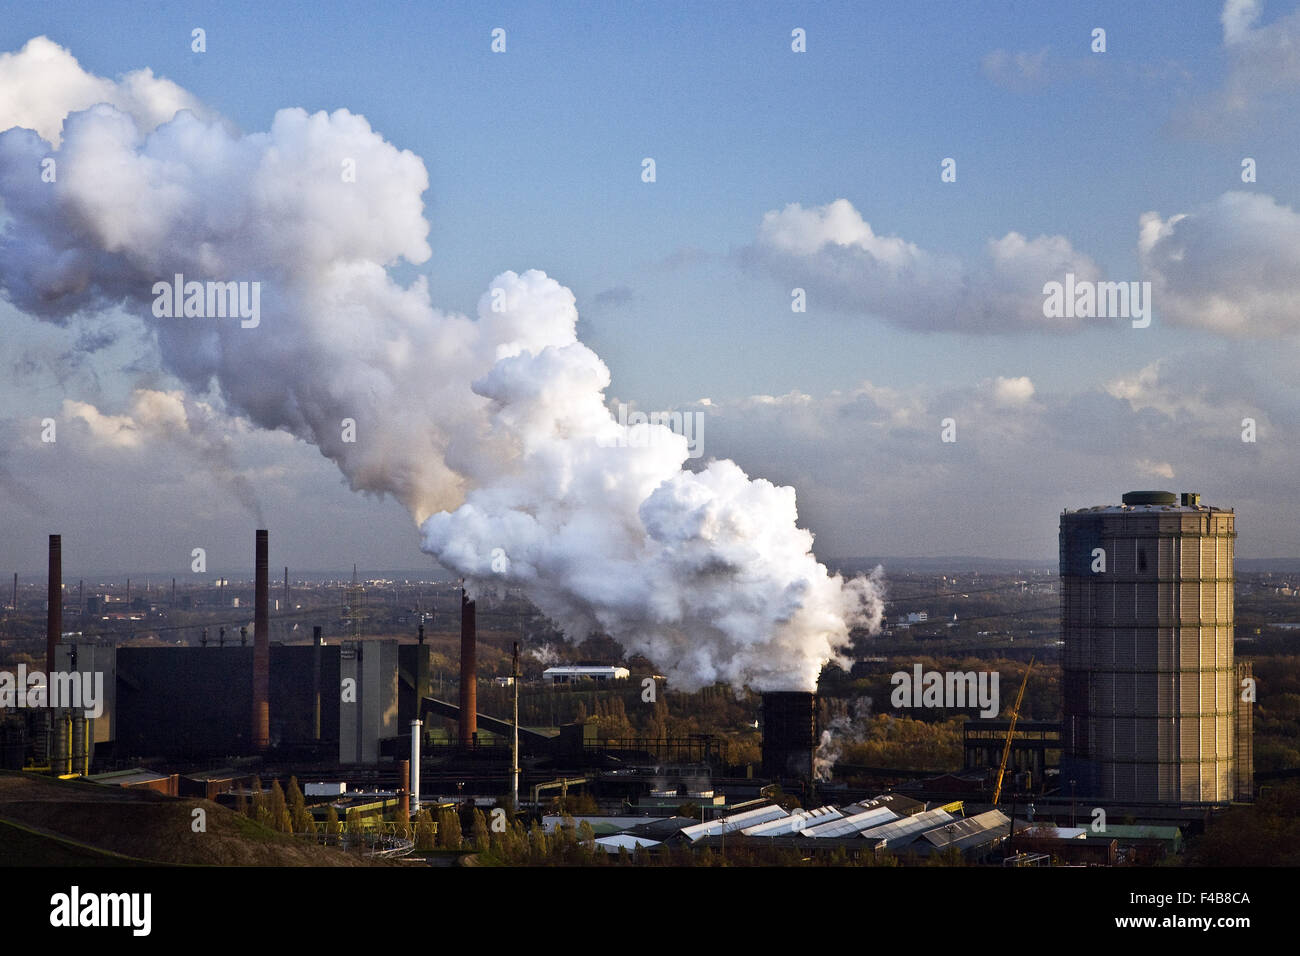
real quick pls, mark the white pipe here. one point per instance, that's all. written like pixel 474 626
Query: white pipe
pixel 415 767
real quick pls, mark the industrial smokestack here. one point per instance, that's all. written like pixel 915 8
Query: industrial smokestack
pixel 789 734
pixel 468 671
pixel 404 793
pixel 315 679
pixel 261 650
pixel 54 614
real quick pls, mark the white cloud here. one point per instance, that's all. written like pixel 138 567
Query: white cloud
pixel 804 232
pixel 116 431
pixel 1231 266
pixel 875 478
pixel 1154 469
pixel 842 262
pixel 1013 391
pixel 1238 17
pixel 165 422
pixel 42 84
pixel 1262 78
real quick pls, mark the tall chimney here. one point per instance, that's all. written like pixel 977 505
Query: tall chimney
pixel 789 734
pixel 261 650
pixel 403 793
pixel 315 680
pixel 54 615
pixel 468 671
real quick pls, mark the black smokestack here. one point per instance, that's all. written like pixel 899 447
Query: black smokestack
pixel 468 671
pixel 261 650
pixel 315 680
pixel 789 734
pixel 54 614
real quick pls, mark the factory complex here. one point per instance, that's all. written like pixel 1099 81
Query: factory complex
pixel 1156 730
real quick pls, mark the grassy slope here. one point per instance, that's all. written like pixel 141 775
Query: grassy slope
pixel 144 825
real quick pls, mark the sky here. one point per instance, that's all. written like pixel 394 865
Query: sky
pixel 774 170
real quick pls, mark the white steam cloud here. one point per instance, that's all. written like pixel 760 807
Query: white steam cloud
pixel 844 729
pixel 492 432
pixel 196 427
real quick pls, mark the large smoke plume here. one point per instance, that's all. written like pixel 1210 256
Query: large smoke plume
pixel 492 431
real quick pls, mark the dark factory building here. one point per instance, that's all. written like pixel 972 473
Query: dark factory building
pixel 194 702
pixel 313 701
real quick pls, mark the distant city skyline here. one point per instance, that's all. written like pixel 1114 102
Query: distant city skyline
pixel 1166 159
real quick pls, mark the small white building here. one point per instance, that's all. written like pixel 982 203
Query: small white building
pixel 325 789
pixel 575 672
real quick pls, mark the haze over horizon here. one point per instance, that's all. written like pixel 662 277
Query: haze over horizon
pixel 817 170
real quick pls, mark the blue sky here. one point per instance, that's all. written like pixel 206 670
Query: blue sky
pixel 534 160
pixel 534 156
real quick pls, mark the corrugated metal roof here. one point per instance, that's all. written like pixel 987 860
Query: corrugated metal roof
pixel 896 830
pixel 900 804
pixel 960 831
pixel 611 844
pixel 848 826
pixel 796 821
pixel 734 822
pixel 661 828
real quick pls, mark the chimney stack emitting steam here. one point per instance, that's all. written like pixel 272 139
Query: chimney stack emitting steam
pixel 736 593
pixel 789 734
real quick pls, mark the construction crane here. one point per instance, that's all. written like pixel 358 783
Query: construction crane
pixel 1006 749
